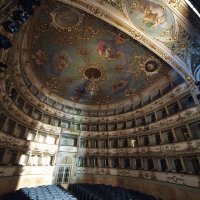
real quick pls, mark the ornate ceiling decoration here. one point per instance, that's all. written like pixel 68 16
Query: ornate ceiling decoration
pixel 84 59
pixel 167 27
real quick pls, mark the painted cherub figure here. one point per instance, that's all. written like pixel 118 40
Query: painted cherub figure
pixel 153 17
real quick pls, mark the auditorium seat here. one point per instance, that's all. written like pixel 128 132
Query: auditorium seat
pixel 50 192
pixel 84 191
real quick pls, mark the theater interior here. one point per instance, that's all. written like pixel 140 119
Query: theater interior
pixel 100 99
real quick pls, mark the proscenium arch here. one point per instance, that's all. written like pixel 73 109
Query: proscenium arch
pixel 159 49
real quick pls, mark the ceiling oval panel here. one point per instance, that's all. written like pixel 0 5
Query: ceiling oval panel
pixel 83 59
pixel 152 17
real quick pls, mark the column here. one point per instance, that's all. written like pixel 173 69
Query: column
pixel 194 96
pixel 142 163
pixel 26 133
pixel 46 136
pixel 98 162
pixel 179 104
pixel 189 131
pixel 36 136
pixel 134 163
pixel 87 161
pixel 167 111
pixel 5 123
pixel 78 142
pixel 4 156
pixel 16 99
pixel 155 113
pixel 15 130
pixel 29 161
pixel 183 164
pixel 174 134
pixel 138 141
pixel 17 158
pixel 161 138
pixel 154 164
pixel 168 164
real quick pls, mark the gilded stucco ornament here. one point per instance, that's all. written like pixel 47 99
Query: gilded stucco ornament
pixel 151 66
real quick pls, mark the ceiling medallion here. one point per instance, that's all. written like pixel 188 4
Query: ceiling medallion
pixel 93 71
pixel 65 18
pixel 150 66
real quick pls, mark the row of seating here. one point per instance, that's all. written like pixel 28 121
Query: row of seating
pixel 84 191
pixel 46 192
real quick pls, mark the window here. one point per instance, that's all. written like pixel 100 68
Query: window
pixel 20 131
pixel 20 103
pixel 163 164
pixel 178 165
pixel 127 163
pixel 155 95
pixel 46 119
pixel 161 114
pixel 2 120
pixel 68 140
pixel 23 159
pixel 195 129
pixel 41 138
pixel 196 165
pixel 55 122
pixel 133 142
pixel 115 162
pixel 2 151
pixel 28 109
pixel 167 89
pixel 158 140
pixel 51 139
pixel 146 140
pixel 34 160
pixel 37 115
pixel 83 143
pixel 13 94
pixel 150 164
pixel 138 164
pixel 113 143
pixel 10 126
pixel 173 108
pixel 31 135
pixel 170 137
pixel 63 175
pixel 181 133
pixel 93 128
pixel 187 102
pixel 112 127
pixel 11 157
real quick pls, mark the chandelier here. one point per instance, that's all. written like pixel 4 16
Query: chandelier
pixel 91 86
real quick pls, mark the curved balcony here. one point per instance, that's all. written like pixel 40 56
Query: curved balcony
pixel 169 149
pixel 181 179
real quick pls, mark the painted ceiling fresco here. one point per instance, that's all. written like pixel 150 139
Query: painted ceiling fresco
pixel 84 59
pixel 153 17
